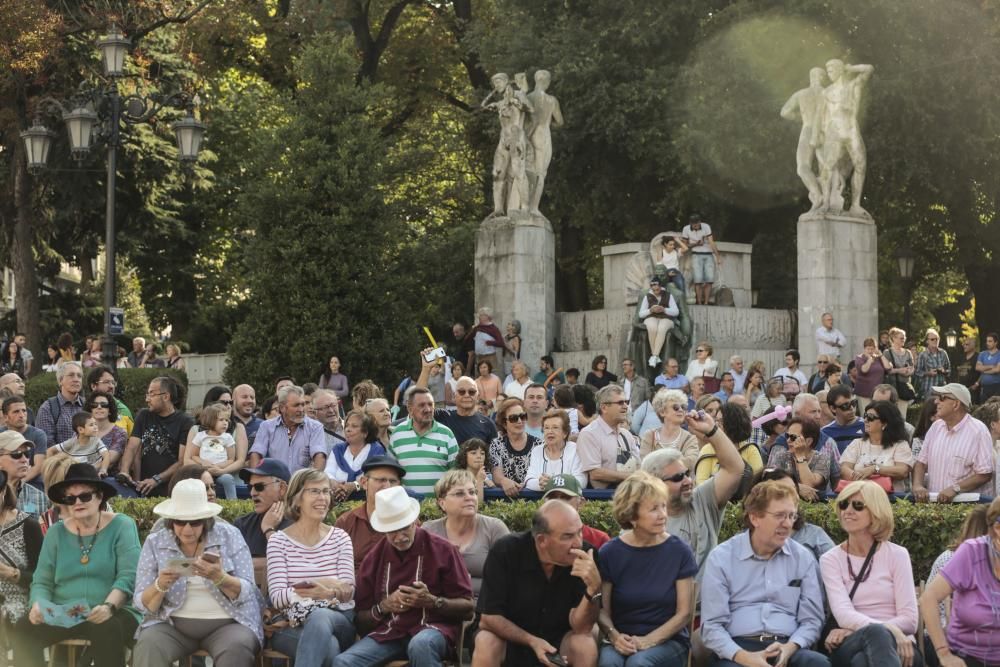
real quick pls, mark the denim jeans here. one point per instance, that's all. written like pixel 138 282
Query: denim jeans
pixel 801 658
pixel 870 646
pixel 228 483
pixel 324 635
pixel 668 654
pixel 427 648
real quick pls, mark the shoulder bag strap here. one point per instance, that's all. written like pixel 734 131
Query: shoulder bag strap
pixel 864 568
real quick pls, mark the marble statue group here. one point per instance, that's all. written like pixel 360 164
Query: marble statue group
pixel 831 152
pixel 524 151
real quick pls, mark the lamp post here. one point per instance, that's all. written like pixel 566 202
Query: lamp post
pixel 97 115
pixel 905 258
pixel 950 338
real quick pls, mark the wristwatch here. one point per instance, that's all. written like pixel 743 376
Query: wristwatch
pixel 878 469
pixel 956 488
pixel 439 602
pixel 597 598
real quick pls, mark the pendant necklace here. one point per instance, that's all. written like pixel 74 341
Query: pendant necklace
pixel 85 549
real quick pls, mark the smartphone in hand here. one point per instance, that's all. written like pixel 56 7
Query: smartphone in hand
pixel 302 585
pixel 210 557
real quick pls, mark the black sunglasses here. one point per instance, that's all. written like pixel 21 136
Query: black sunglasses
pixel 194 523
pixel 100 404
pixel 70 499
pixel 679 477
pixel 20 454
pixel 229 403
pixel 856 504
pixel 848 405
pixel 260 486
pixel 870 417
pixel 518 417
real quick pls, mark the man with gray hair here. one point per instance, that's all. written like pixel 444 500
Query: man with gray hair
pixel 487 341
pixel 326 405
pixel 739 373
pixel 292 438
pixel 694 514
pixel 424 447
pixel 607 449
pixel 55 415
pixel 137 357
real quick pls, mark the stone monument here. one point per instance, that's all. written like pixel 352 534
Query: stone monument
pixel 837 247
pixel 515 246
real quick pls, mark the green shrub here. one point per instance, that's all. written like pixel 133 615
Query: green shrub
pixel 133 383
pixel 925 530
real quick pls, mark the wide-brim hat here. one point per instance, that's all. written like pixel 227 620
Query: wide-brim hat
pixel 80 473
pixel 394 510
pixel 188 502
pixel 957 391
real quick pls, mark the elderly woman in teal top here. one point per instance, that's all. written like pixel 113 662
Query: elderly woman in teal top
pixel 88 558
pixel 195 586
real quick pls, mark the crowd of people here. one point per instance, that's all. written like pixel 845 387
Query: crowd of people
pixel 378 585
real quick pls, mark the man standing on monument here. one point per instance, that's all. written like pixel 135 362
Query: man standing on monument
pixel 704 255
pixel 510 179
pixel 808 104
pixel 841 133
pixel 545 112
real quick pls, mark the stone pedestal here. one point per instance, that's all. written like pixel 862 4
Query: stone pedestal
pixel 516 278
pixel 838 273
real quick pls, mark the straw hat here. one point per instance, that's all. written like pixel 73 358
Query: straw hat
pixel 394 510
pixel 188 502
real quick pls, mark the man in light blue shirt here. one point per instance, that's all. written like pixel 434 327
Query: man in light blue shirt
pixel 761 597
pixel 293 438
pixel 671 377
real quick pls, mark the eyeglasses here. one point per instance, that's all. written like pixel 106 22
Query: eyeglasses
pixel 18 455
pixel 856 505
pixel 784 516
pixel 155 394
pixel 70 499
pixel 102 404
pixel 520 417
pixel 466 392
pixel 677 407
pixel 792 437
pixel 622 403
pixel 679 477
pixel 260 486
pixel 871 417
pixel 194 523
pixel 462 493
pixel 318 492
pixel 110 383
pixel 391 481
pixel 848 405
pixel 229 403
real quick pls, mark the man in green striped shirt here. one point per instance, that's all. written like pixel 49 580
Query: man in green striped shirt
pixel 423 446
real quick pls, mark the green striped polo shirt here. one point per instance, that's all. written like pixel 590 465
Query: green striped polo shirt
pixel 425 457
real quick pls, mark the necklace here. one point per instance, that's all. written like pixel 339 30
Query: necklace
pixel 85 549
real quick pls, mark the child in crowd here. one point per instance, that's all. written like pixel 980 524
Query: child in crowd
pixel 214 447
pixel 86 446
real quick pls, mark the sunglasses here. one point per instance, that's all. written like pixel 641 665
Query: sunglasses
pixel 792 437
pixel 70 499
pixel 621 403
pixel 101 404
pixel 517 418
pixel 849 405
pixel 872 418
pixel 679 477
pixel 677 407
pixel 857 505
pixel 18 455
pixel 466 392
pixel 194 523
pixel 260 486
pixel 229 403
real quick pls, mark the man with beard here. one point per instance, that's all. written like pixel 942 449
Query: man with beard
pixel 695 513
pixel 291 437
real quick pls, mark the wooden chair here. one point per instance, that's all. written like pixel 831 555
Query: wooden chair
pixel 693 623
pixel 265 657
pixel 72 647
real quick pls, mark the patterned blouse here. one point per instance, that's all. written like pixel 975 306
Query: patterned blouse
pixel 513 463
pixel 20 542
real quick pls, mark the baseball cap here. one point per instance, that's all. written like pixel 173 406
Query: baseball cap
pixel 957 391
pixel 567 484
pixel 267 468
pixel 11 441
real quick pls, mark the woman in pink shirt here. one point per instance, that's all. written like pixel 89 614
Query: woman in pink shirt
pixel 869 585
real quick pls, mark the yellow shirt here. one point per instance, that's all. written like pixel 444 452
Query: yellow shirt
pixel 708 462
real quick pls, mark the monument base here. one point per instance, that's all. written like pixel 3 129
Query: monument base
pixel 516 278
pixel 837 273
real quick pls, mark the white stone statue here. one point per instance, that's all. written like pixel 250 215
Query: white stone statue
pixel 830 133
pixel 510 179
pixel 545 113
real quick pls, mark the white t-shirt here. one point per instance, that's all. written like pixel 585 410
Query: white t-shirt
pixel 515 389
pixel 670 260
pixel 698 369
pixel 333 470
pixel 797 374
pixel 567 464
pixel 862 453
pixel 695 238
pixel 212 448
pixel 484 343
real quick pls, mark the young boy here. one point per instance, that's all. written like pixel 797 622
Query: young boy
pixel 86 446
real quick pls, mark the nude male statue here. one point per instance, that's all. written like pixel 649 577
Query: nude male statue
pixel 809 105
pixel 841 134
pixel 545 113
pixel 510 180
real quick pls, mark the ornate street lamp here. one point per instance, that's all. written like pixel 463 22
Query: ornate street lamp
pixel 950 338
pixel 96 116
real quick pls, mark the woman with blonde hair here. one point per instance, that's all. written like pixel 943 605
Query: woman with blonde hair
pixel 648 577
pixel 901 367
pixel 869 585
pixel 54 471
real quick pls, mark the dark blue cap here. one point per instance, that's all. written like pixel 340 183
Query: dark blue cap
pixel 267 468
pixel 383 462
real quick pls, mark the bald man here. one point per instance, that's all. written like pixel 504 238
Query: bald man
pixel 465 422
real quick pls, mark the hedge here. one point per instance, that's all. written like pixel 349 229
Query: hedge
pixel 132 386
pixel 925 530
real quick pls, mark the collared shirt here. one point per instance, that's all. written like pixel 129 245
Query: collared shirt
pixel 676 382
pixel 433 560
pixel 296 450
pixel 739 380
pixel 425 457
pixel 927 361
pixel 161 546
pixel 751 595
pixel 32 501
pixel 952 454
pixel 600 446
pixel 252 425
pixel 58 422
pixel 363 537
pixel 830 342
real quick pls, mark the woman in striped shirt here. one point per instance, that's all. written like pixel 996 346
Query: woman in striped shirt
pixel 310 575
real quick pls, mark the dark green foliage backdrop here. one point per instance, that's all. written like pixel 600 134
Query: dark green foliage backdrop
pixel 132 386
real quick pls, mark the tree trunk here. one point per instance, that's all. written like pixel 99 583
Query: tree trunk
pixel 22 260
pixel 571 275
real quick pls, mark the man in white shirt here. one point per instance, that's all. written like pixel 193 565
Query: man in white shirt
pixel 829 341
pixel 792 370
pixel 704 256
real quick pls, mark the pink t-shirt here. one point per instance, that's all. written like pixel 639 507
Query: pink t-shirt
pixel 886 596
pixel 952 455
pixel 974 628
